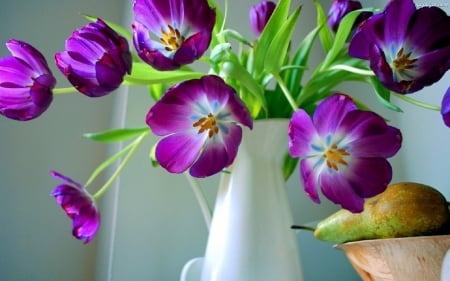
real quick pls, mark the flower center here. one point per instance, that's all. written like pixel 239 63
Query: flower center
pixel 334 157
pixel 403 61
pixel 172 40
pixel 207 123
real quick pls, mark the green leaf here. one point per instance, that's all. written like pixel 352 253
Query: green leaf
pixel 277 106
pixel 326 37
pixel 116 134
pixel 239 73
pixel 272 27
pixel 220 52
pixel 355 70
pixel 143 74
pixel 345 27
pixel 218 24
pixel 251 101
pixel 289 165
pixel 152 156
pixel 279 46
pixel 301 56
pixel 383 94
pixel 231 33
pixel 156 91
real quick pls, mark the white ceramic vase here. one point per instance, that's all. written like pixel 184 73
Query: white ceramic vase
pixel 251 237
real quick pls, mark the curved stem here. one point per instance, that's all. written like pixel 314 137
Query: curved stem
pixel 201 199
pixel 286 91
pixel 416 102
pixel 122 165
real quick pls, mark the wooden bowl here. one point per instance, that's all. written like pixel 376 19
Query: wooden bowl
pixel 398 259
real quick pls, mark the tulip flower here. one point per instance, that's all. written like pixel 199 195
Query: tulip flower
pixel 95 60
pixel 340 8
pixel 445 108
pixel 343 151
pixel 408 48
pixel 26 82
pixel 79 206
pixel 259 15
pixel 200 120
pixel 170 34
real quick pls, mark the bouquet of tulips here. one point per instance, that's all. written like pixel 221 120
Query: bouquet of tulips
pixel 340 146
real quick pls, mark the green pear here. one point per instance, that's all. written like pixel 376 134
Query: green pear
pixel 404 209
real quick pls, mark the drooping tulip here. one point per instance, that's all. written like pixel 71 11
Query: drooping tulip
pixel 78 205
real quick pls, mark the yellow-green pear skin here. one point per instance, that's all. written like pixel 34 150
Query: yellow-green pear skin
pixel 404 209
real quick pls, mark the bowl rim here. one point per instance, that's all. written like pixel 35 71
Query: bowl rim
pixel 406 238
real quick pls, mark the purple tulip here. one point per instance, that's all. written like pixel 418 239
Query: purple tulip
pixel 343 151
pixel 95 60
pixel 259 15
pixel 170 34
pixel 445 108
pixel 79 206
pixel 201 122
pixel 408 48
pixel 26 82
pixel 340 8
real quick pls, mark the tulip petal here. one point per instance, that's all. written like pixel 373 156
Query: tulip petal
pixel 302 134
pixel 218 154
pixel 177 152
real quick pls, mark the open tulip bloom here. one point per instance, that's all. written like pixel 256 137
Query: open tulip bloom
pixel 170 34
pixel 408 48
pixel 339 146
pixel 343 151
pixel 201 120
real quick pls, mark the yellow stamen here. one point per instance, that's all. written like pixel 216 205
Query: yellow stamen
pixel 403 61
pixel 207 124
pixel 334 157
pixel 172 40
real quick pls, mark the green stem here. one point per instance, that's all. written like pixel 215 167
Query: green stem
pixel 201 199
pixel 416 102
pixel 286 91
pixel 122 165
pixel 61 91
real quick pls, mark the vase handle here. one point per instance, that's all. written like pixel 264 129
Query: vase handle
pixel 192 270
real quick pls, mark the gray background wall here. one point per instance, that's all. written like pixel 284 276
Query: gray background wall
pixel 151 222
